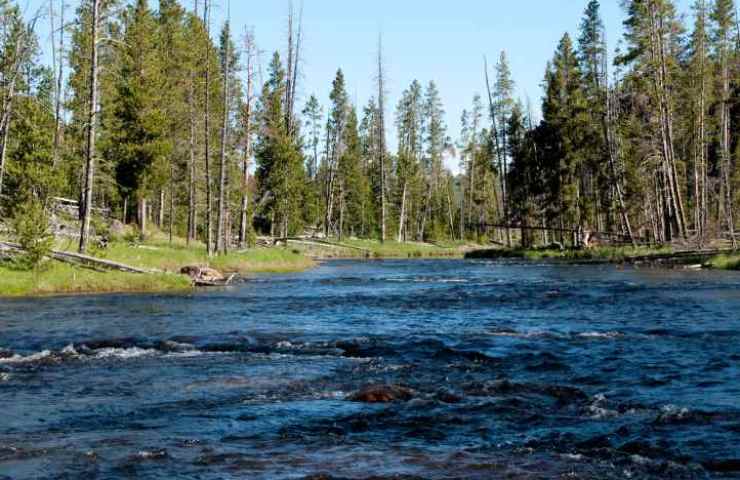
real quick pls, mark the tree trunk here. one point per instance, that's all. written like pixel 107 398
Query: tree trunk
pixel 160 213
pixel 244 218
pixel 381 140
pixel 220 234
pixel 725 154
pixel 613 156
pixel 672 192
pixel 172 203
pixel 5 136
pixel 402 218
pixel 92 120
pixel 142 215
pixel 59 63
pixel 207 134
pixel 341 210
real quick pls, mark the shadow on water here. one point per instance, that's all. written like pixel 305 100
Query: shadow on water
pixel 383 370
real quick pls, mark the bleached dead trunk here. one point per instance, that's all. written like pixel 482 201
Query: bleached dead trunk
pixel 92 121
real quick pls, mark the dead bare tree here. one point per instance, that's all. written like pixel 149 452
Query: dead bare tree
pixel 381 138
pixel 497 146
pixel 222 242
pixel 92 121
pixel 207 128
pixel 250 53
pixel 293 64
pixel 57 54
pixel 673 204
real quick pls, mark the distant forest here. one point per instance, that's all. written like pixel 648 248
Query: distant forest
pixel 155 118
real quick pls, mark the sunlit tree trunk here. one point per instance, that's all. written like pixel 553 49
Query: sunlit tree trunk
pixel 92 121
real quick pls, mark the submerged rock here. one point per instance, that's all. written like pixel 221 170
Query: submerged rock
pixel 382 394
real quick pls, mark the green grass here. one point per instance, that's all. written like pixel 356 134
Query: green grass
pixel 608 254
pixel 725 262
pixel 61 279
pixel 388 249
pixel 156 254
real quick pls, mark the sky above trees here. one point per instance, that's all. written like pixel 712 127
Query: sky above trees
pixel 435 40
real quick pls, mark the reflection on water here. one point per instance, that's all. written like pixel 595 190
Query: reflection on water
pixel 476 370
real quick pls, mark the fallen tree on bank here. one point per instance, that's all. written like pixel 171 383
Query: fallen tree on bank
pixel 83 260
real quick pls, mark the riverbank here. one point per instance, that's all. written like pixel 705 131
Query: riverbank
pixel 725 262
pixel 55 278
pixel 658 256
pixel 598 254
pixel 365 248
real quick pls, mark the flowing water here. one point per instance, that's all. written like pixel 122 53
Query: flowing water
pixel 514 371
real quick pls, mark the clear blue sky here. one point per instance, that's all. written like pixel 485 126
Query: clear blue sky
pixel 438 40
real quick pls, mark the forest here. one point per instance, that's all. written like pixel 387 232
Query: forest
pixel 158 118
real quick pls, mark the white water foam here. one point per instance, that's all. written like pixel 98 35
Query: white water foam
pixel 608 335
pixel 35 357
pixel 125 353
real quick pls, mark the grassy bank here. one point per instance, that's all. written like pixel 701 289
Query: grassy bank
pixel 161 255
pixel 725 262
pixel 362 248
pixel 605 254
pixel 61 279
pixel 55 278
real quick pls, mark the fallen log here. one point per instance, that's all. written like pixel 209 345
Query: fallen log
pixel 326 244
pixel 85 260
pixel 219 283
pixel 206 276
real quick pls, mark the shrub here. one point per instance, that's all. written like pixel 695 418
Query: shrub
pixel 31 227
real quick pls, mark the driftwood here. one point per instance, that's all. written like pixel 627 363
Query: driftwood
pixel 84 260
pixel 207 277
pixel 220 283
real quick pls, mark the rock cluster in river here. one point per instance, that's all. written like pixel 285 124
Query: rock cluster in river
pixel 382 394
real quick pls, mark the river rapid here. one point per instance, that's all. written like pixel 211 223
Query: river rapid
pixel 507 370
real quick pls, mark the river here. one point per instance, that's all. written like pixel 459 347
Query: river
pixel 513 371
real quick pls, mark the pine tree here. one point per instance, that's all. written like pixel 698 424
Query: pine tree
pixel 228 65
pixel 354 187
pixel 564 117
pixel 17 47
pixel 594 177
pixel 436 143
pixel 723 23
pixel 140 145
pixel 280 167
pixel 410 134
pixel 652 35
pixel 699 95
pixel 504 102
pixel 247 133
pixel 335 147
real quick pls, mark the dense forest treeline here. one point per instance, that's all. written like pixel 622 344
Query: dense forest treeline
pixel 150 115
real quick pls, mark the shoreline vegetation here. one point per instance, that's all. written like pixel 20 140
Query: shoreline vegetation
pixel 157 254
pixel 167 259
pixel 168 125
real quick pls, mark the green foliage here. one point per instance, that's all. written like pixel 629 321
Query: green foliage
pixel 139 145
pixel 31 228
pixel 280 165
pixel 725 262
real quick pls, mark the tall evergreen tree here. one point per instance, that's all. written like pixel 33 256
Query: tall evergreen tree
pixel 139 136
pixel 280 166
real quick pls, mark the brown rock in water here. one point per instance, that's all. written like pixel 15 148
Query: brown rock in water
pixel 203 274
pixel 382 394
